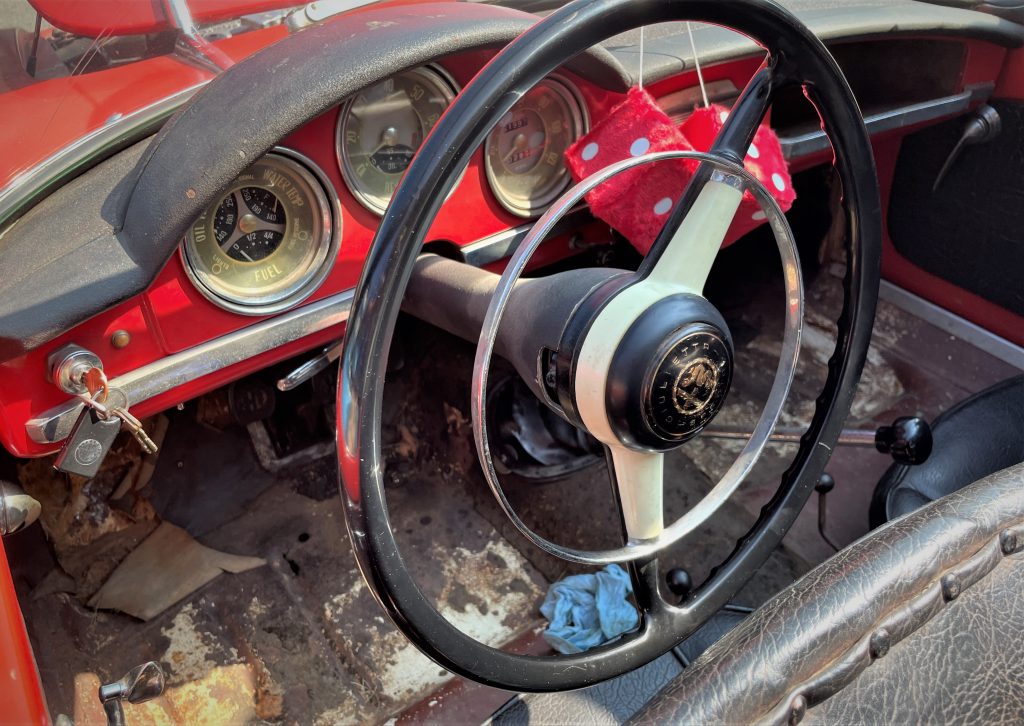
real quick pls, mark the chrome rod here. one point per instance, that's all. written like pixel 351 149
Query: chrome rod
pixel 790 435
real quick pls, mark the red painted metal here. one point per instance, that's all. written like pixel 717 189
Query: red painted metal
pixel 93 18
pixel 21 694
pixel 96 18
pixel 1011 81
pixel 55 113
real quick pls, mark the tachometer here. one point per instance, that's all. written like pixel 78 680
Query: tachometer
pixel 380 129
pixel 524 152
pixel 268 242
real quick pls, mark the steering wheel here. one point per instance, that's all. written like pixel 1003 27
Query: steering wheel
pixel 614 342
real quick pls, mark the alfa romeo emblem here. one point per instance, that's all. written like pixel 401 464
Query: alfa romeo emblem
pixel 695 386
pixel 688 386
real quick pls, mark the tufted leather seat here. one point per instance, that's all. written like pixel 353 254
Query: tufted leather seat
pixel 921 621
pixel 979 435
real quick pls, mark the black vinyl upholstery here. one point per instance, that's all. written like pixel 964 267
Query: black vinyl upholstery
pixel 921 621
pixel 980 435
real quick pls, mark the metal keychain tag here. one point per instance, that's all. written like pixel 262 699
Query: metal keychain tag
pixel 88 444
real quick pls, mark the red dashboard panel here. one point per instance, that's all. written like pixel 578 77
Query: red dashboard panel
pixel 172 316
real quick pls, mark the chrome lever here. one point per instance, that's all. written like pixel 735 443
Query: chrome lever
pixel 908 440
pixel 142 683
pixel 311 367
pixel 984 126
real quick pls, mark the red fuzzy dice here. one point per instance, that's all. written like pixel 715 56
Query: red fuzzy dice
pixel 637 202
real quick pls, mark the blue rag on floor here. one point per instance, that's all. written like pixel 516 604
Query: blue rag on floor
pixel 585 611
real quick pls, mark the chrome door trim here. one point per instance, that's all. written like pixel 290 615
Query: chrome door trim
pixel 982 339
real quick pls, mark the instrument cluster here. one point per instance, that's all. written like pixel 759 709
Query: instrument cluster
pixel 272 238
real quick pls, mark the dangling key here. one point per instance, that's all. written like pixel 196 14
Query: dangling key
pixel 95 380
pixel 90 440
pixel 135 426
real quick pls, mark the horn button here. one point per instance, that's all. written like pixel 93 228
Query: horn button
pixel 670 373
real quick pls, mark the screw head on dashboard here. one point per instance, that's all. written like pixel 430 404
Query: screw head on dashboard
pixel 120 339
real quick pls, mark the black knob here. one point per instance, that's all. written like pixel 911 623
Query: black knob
pixel 679 581
pixel 825 484
pixel 907 441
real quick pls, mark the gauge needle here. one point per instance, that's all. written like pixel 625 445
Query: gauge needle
pixel 242 253
pixel 247 225
pixel 518 145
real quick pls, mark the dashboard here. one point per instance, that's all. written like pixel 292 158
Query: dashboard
pixel 271 239
pixel 265 267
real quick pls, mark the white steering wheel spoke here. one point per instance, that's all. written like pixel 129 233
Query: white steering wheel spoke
pixel 686 262
pixel 639 482
pixel 644 404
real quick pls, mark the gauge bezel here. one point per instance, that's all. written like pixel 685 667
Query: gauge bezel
pixel 327 208
pixel 439 77
pixel 570 93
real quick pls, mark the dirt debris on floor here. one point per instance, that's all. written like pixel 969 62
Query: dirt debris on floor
pixel 301 640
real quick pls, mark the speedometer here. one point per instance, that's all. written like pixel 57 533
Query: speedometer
pixel 267 243
pixel 524 152
pixel 380 129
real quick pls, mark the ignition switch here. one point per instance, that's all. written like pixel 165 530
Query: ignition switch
pixel 69 365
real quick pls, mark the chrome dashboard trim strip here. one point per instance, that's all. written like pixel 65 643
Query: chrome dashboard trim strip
pixel 80 154
pixel 812 142
pixel 168 373
pixel 500 245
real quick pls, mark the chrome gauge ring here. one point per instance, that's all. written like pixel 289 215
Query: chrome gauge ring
pixel 524 153
pixel 380 129
pixel 270 240
pixel 737 472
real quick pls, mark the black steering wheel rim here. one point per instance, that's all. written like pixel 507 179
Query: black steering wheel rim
pixel 795 56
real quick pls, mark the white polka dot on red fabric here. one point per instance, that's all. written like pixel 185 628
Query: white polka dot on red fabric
pixel 779 182
pixel 753 153
pixel 758 216
pixel 663 206
pixel 589 151
pixel 640 146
